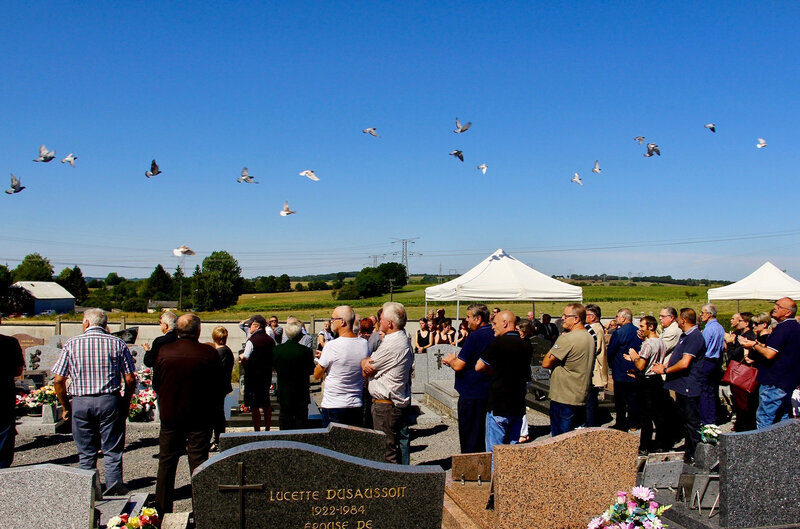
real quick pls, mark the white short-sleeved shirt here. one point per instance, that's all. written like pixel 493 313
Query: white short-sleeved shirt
pixel 341 359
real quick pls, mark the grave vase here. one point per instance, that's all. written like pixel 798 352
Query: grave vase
pixel 36 411
pixel 49 413
pixel 706 455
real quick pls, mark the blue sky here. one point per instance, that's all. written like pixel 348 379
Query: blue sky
pixel 283 87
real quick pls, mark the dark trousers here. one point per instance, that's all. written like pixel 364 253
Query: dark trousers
pixel 565 417
pixel 173 440
pixel 97 422
pixel 472 425
pixel 688 407
pixel 219 425
pixel 390 419
pixel 709 389
pixel 653 410
pixel 8 433
pixel 293 417
pixel 349 416
pixel 626 405
pixel 593 407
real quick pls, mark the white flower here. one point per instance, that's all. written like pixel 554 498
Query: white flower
pixel 114 522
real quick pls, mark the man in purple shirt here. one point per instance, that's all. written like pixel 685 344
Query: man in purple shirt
pixel 779 364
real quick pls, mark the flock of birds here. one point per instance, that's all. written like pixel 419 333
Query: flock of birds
pixel 46 155
pixel 652 149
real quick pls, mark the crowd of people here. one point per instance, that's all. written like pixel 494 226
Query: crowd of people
pixel 665 372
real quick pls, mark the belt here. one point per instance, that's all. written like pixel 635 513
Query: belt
pixel 382 401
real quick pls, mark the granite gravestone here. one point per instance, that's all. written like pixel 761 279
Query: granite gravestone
pixel 428 367
pixel 759 476
pixel 296 485
pixel 662 470
pixel 440 392
pixel 350 440
pixel 540 347
pixel 26 340
pixel 44 357
pixel 47 495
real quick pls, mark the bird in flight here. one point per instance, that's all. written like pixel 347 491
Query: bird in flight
pixel 15 187
pixel 310 174
pixel 460 127
pixel 369 130
pixel 458 154
pixel 154 170
pixel 483 167
pixel 182 250
pixel 577 179
pixel 711 127
pixel 596 168
pixel 652 148
pixel 70 159
pixel 761 143
pixel 286 211
pixel 45 155
pixel 246 177
pixel 640 139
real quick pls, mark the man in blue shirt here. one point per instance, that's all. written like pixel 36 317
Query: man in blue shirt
pixel 682 372
pixel 472 386
pixel 711 368
pixel 779 364
pixel 626 385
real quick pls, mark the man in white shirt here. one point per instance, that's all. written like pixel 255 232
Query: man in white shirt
pixel 340 364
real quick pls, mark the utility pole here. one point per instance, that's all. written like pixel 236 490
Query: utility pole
pixel 391 289
pixel 375 259
pixel 404 252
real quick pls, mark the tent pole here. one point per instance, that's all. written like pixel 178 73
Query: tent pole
pixel 426 308
pixel 534 310
pixel 458 310
pixel 737 305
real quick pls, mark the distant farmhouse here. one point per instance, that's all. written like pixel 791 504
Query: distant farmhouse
pixel 153 306
pixel 45 296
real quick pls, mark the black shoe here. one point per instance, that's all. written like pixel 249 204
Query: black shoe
pixel 155 456
pixel 689 460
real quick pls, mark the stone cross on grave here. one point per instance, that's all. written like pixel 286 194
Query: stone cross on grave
pixel 241 488
pixel 439 356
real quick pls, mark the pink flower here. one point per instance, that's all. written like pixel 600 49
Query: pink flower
pixel 621 496
pixel 653 507
pixel 597 523
pixel 643 493
pixel 632 505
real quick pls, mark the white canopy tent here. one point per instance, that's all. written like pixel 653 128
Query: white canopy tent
pixel 501 277
pixel 768 282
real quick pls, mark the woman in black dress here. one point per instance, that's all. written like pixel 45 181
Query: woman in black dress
pixel 424 335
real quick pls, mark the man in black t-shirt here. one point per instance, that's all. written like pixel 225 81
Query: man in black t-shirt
pixel 508 361
pixel 11 364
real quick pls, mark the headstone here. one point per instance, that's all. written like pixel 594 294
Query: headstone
pixel 288 484
pixel 706 456
pixel 540 347
pixel 26 340
pixel 43 357
pixel 231 401
pixel 137 353
pixel 350 440
pixel 662 470
pixel 128 335
pixel 419 374
pixel 436 369
pixel 57 340
pixel 45 495
pixel 759 471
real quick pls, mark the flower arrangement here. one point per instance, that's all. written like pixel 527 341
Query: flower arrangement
pixel 145 377
pixel 142 402
pixel 243 408
pixel 636 509
pixel 709 433
pixel 147 519
pixel 44 396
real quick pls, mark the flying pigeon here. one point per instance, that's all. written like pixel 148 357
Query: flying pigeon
pixel 45 155
pixel 15 187
pixel 483 168
pixel 458 154
pixel 761 143
pixel 310 174
pixel 246 177
pixel 597 169
pixel 182 250
pixel 286 211
pixel 70 159
pixel 652 148
pixel 640 139
pixel 711 127
pixel 154 170
pixel 460 127
pixel 577 179
pixel 371 130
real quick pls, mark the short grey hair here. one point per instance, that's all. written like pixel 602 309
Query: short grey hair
pixel 95 317
pixel 711 309
pixel 479 310
pixel 396 313
pixel 625 313
pixel 188 326
pixel 170 319
pixel 294 329
pixel 671 311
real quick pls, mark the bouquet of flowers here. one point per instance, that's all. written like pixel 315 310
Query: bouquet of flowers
pixel 709 433
pixel 145 377
pixel 37 398
pixel 147 519
pixel 636 509
pixel 142 402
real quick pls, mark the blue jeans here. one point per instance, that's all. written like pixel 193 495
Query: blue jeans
pixel 565 417
pixel 502 430
pixel 773 406
pixel 348 416
pixel 97 422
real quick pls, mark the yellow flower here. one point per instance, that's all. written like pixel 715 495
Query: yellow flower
pixel 147 511
pixel 133 522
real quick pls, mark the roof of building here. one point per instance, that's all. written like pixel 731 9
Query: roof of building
pixel 162 304
pixel 44 289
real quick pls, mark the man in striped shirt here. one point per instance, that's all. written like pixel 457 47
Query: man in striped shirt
pixel 96 362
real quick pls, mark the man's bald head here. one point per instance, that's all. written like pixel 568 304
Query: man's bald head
pixel 504 321
pixel 188 326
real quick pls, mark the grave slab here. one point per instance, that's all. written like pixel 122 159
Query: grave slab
pixel 288 484
pixel 662 470
pixel 759 471
pixel 66 494
pixel 351 440
pixel 441 396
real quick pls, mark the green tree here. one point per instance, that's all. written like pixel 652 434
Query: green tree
pixel 299 287
pixel 5 284
pixel 135 305
pixel 77 285
pixel 348 291
pixel 33 267
pixel 112 279
pixel 96 283
pixel 219 283
pixel 159 285
pixel 395 271
pixel 370 282
pixel 267 284
pixel 284 284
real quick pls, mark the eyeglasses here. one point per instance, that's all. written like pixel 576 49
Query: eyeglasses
pixel 664 315
pixel 781 307
pixel 564 316
pixel 334 319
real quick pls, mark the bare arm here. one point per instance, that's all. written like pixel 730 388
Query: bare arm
pixel 319 372
pixel 681 365
pixel 454 362
pixel 758 347
pixel 483 367
pixel 550 361
pixel 60 386
pixel 367 369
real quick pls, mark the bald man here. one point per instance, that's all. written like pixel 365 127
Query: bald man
pixel 507 360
